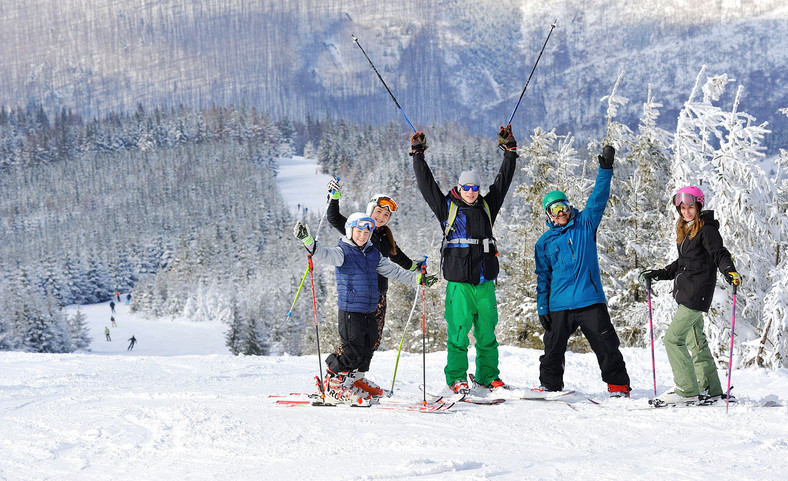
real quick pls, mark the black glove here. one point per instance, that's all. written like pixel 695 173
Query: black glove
pixel 418 143
pixel 506 139
pixel 733 278
pixel 648 275
pixel 606 159
pixel 547 321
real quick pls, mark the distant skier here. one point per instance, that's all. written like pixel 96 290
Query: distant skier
pixel 112 306
pixel 131 344
pixel 128 298
pixel 106 333
pixel 112 320
pixel 117 295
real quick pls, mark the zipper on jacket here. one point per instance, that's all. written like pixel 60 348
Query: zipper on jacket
pixel 571 247
pixel 591 279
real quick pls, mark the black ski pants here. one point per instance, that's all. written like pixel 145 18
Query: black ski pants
pixel 594 322
pixel 358 333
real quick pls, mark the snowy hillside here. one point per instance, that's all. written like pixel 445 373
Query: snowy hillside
pixel 179 407
pixel 459 60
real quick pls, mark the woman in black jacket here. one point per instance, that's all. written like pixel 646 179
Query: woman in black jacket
pixel 381 208
pixel 694 275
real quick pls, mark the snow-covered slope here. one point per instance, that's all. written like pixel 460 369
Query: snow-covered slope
pixel 179 407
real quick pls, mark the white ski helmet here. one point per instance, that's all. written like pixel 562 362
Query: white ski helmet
pixel 383 201
pixel 360 221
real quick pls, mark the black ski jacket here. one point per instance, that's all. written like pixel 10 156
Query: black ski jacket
pixel 381 239
pixel 693 272
pixel 463 262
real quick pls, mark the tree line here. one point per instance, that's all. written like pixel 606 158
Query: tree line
pixel 182 206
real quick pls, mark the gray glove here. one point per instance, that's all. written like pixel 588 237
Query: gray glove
pixel 334 188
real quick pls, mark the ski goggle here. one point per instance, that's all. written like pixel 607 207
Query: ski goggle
pixel 363 223
pixel 386 203
pixel 467 187
pixel 684 198
pixel 557 207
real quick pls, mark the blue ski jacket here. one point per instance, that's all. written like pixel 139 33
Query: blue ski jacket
pixel 567 267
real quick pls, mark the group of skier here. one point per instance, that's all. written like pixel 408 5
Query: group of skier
pixel 569 286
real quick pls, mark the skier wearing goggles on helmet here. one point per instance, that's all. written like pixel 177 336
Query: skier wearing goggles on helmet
pixel 569 290
pixel 469 260
pixel 358 263
pixel 694 275
pixel 381 209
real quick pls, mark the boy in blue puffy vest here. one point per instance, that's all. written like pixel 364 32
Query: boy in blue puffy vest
pixel 358 264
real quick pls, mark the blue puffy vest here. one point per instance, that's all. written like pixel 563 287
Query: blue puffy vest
pixel 357 278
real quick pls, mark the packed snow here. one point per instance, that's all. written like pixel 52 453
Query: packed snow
pixel 179 406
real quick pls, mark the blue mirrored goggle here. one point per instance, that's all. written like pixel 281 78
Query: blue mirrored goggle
pixel 468 187
pixel 364 223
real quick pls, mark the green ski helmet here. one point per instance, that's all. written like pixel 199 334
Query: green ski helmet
pixel 551 197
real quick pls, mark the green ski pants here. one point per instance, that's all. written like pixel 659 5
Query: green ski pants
pixel 471 306
pixel 689 355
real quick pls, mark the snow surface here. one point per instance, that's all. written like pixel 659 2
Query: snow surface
pixel 179 406
pixel 302 185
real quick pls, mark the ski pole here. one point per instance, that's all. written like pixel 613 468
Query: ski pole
pixel 355 39
pixel 402 341
pixel 317 234
pixel 730 358
pixel 310 268
pixel 651 332
pixel 552 26
pixel 424 330
pixel 404 331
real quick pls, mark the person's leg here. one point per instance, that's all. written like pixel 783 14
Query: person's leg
pixel 551 363
pixel 702 360
pixel 380 321
pixel 459 314
pixel 678 355
pixel 352 337
pixel 595 323
pixel 484 333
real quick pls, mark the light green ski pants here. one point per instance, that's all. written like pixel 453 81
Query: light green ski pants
pixel 471 306
pixel 689 355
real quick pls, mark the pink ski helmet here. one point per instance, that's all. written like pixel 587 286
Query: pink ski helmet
pixel 688 195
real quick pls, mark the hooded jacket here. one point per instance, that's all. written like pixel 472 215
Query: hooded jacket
pixel 463 262
pixel 694 272
pixel 567 267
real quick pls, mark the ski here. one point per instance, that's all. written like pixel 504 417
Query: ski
pixel 538 395
pixel 467 398
pixel 302 400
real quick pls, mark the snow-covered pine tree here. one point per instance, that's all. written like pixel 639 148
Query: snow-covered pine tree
pixel 549 162
pixel 635 214
pixel 78 331
pixel 716 150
